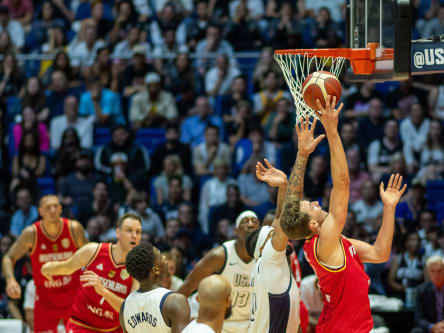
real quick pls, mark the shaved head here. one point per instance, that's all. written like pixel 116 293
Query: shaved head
pixel 214 295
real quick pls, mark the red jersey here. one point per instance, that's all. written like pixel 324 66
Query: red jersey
pixel 344 290
pixel 61 291
pixel 90 310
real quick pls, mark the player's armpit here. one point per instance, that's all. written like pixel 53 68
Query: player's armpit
pixel 21 246
pixel 211 263
pixel 176 312
pixel 78 233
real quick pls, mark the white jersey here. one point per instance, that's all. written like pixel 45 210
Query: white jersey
pixel 237 272
pixel 195 327
pixel 142 311
pixel 275 295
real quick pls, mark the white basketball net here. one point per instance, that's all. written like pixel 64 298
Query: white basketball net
pixel 296 67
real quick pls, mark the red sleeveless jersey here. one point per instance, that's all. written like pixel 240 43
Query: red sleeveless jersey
pixel 61 291
pixel 344 291
pixel 92 311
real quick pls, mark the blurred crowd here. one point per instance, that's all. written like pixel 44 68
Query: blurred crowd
pixel 153 107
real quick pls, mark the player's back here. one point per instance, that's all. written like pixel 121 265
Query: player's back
pixel 60 291
pixel 344 289
pixel 237 272
pixel 195 327
pixel 142 311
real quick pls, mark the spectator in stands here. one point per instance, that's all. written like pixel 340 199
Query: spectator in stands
pixel 213 43
pixel 265 101
pixel 196 26
pixel 152 107
pixel 427 220
pixel 238 126
pixel 214 191
pixel 397 165
pixel 125 49
pixel 165 53
pixel 83 49
pixel 284 26
pixel 265 207
pixel 435 26
pixel 371 127
pixel 21 10
pixel 169 208
pixel 172 146
pixel 6 45
pixel 219 78
pixel 431 245
pixel 369 207
pixel 432 155
pixel 228 102
pixel 61 62
pixel 171 282
pixel 324 30
pixel 34 97
pixel 229 210
pixel 99 205
pixel 253 192
pixel 29 163
pixel 358 104
pixel 57 42
pixel 76 189
pixel 172 166
pixel 134 73
pixel 406 269
pixel 358 176
pixel 224 231
pixel 43 23
pixel 5 303
pixel 13 27
pixel 429 299
pixel 409 92
pixel 101 103
pixel 122 142
pixel 169 18
pixel 312 298
pixel 193 127
pixel 57 91
pixel 66 156
pixel 30 122
pixel 206 153
pixel 243 31
pixel 104 69
pixel 279 126
pixel 436 100
pixel 11 78
pixel 104 25
pixel 122 181
pixel 265 64
pixel 288 153
pixel 381 150
pixel 348 136
pixel 70 119
pixel 26 213
pixel 124 17
pixel 414 131
pixel 316 177
pixel 172 226
pixel 407 212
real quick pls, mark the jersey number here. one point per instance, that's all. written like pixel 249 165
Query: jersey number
pixel 240 298
pixel 352 251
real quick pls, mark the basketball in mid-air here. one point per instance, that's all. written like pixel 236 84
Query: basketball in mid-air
pixel 318 85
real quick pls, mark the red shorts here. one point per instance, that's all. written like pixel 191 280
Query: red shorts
pixel 46 317
pixel 74 326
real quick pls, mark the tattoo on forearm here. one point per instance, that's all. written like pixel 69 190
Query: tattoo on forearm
pixel 296 181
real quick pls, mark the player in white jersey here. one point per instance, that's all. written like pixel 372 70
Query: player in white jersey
pixel 152 308
pixel 232 261
pixel 214 296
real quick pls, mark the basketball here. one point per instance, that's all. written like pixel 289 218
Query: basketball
pixel 319 85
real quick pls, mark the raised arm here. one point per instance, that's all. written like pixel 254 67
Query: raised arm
pixel 380 250
pixel 331 228
pixel 211 263
pixel 80 259
pixel 176 312
pixel 21 246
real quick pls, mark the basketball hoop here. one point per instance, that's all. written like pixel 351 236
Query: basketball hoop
pixel 297 64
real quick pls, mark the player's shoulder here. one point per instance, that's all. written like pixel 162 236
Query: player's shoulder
pixel 92 247
pixel 173 302
pixel 218 252
pixel 28 233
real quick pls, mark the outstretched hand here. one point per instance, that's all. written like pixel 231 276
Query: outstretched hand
pixel 306 142
pixel 270 175
pixel 394 192
pixel 328 115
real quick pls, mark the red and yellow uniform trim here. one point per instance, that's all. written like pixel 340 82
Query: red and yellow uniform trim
pixel 325 267
pixel 78 323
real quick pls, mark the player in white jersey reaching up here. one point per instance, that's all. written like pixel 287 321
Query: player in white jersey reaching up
pixel 232 261
pixel 214 297
pixel 152 308
pixel 275 299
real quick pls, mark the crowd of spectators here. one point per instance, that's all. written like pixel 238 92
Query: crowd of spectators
pixel 113 75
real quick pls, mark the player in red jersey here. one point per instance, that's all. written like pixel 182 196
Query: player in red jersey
pixel 51 239
pixel 336 259
pixel 97 310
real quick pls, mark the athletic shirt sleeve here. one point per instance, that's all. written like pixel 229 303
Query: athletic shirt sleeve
pixel 273 268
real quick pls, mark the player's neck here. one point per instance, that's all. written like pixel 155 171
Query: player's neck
pixel 215 321
pixel 242 251
pixel 52 228
pixel 118 253
pixel 149 285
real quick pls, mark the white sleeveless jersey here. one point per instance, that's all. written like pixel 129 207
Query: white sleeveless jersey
pixel 195 327
pixel 142 311
pixel 273 313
